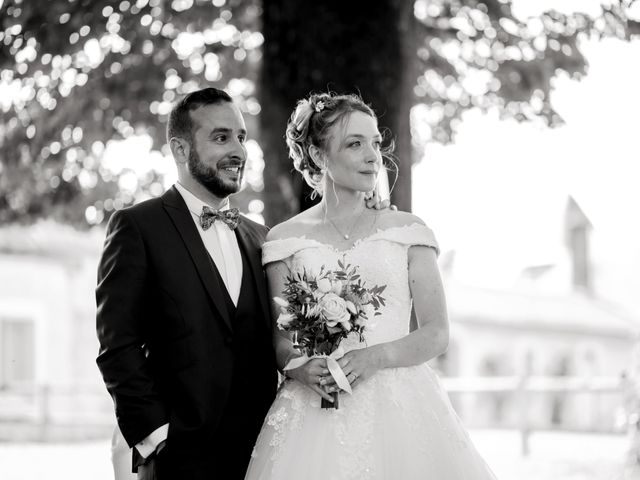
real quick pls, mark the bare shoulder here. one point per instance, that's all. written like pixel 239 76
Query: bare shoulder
pixel 396 218
pixel 282 230
pixel 296 226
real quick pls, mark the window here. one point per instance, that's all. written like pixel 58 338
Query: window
pixel 17 351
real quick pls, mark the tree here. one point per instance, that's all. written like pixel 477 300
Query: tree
pixel 77 73
pixel 446 55
pixel 347 47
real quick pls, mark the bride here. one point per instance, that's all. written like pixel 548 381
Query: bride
pixel 398 422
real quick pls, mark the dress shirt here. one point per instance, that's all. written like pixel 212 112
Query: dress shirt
pixel 221 243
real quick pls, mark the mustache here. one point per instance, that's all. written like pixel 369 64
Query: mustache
pixel 224 163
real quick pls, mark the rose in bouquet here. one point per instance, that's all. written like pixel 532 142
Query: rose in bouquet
pixel 321 310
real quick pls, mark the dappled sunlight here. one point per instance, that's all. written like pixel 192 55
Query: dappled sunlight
pixel 96 48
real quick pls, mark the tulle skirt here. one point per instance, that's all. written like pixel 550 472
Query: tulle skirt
pixel 399 424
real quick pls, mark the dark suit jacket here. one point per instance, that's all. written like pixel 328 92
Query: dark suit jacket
pixel 167 348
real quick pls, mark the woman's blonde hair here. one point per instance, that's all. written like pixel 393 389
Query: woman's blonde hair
pixel 309 126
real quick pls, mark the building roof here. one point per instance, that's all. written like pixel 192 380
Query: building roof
pixel 50 239
pixel 521 309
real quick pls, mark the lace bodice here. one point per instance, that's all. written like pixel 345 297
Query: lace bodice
pixel 382 259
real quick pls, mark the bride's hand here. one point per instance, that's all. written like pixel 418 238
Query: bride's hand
pixel 313 374
pixel 359 365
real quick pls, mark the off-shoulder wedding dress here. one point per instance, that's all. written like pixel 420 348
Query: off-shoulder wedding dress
pixel 399 424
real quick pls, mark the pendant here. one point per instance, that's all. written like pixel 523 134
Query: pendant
pixel 346 237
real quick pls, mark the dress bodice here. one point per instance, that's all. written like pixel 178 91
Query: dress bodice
pixel 381 258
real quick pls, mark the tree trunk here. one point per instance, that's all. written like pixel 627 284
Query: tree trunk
pixel 341 46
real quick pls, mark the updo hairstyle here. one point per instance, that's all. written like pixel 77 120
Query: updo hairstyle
pixel 310 124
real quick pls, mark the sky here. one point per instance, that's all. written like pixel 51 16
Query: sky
pixel 497 195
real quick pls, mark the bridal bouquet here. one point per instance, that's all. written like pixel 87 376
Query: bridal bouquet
pixel 323 309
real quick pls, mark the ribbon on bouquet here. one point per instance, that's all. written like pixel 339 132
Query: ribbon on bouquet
pixel 332 365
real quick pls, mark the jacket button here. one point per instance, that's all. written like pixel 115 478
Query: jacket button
pixel 228 340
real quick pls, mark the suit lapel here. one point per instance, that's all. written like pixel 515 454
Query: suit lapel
pixel 251 248
pixel 181 217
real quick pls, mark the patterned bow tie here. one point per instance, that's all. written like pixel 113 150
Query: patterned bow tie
pixel 231 217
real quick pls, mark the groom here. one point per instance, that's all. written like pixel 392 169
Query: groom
pixel 183 315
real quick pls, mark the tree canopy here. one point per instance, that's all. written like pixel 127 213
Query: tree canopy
pixel 78 74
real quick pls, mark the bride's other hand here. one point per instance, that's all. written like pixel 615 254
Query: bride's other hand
pixel 314 371
pixel 312 374
pixel 358 365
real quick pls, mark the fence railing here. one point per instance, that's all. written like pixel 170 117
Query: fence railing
pixel 45 403
pixel 89 404
pixel 543 384
pixel 524 387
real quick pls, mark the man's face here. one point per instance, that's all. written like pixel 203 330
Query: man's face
pixel 218 155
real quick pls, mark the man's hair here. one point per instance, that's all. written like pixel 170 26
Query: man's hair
pixel 180 123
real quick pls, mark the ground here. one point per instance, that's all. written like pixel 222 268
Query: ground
pixel 553 456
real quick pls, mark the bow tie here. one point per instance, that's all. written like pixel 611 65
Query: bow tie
pixel 231 217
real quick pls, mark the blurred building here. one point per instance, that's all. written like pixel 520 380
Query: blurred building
pixel 555 350
pixel 50 386
pixel 551 333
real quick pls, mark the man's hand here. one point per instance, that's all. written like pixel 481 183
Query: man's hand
pixel 147 471
pixel 373 200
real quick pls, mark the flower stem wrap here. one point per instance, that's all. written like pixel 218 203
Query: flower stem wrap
pixel 332 365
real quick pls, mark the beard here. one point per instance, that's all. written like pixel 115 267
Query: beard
pixel 209 177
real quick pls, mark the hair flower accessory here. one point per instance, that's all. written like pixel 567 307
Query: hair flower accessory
pixel 319 106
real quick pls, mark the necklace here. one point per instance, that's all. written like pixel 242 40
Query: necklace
pixel 347 235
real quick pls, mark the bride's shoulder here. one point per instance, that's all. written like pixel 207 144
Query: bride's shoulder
pixel 280 231
pixel 287 238
pixel 295 227
pixel 396 218
pixel 407 229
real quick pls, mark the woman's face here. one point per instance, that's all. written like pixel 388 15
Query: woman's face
pixel 353 157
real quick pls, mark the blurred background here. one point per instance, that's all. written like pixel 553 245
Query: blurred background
pixel 516 132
